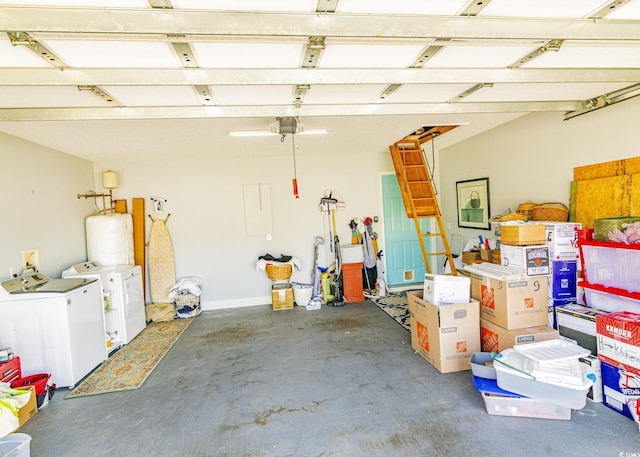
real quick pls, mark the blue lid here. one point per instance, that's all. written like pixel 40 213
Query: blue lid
pixel 490 386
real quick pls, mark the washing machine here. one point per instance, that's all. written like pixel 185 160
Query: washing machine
pixel 123 297
pixel 56 326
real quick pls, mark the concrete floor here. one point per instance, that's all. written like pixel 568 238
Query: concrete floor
pixel 343 381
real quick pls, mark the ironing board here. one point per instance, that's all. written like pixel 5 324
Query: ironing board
pixel 162 274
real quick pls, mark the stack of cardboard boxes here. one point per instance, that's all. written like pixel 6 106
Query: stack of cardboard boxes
pixel 444 320
pixel 513 297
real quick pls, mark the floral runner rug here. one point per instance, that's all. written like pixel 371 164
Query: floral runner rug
pixel 130 366
pixel 395 305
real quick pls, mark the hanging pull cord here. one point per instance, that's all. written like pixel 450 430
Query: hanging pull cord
pixel 295 171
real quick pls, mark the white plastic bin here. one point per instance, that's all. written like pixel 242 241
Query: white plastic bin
pixel 513 374
pixel 15 445
pixel 302 293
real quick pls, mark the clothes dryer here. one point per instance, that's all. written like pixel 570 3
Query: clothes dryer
pixel 123 297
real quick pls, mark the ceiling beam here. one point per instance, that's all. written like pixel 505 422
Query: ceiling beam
pixel 193 112
pixel 251 24
pixel 204 76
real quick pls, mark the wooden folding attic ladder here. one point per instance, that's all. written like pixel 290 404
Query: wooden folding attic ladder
pixel 418 194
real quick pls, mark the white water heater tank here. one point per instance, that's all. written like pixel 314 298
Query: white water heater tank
pixel 110 239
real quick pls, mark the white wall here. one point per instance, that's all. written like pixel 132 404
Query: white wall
pixel 532 157
pixel 39 205
pixel 205 200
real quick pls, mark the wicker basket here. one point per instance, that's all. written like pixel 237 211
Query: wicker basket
pixel 552 211
pixel 510 217
pixel 524 209
pixel 279 272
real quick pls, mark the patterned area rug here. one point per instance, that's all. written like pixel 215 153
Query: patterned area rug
pixel 129 367
pixel 395 305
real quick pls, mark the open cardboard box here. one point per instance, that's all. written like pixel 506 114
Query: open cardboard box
pixel 30 409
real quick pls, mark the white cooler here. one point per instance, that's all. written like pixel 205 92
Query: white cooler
pixel 352 253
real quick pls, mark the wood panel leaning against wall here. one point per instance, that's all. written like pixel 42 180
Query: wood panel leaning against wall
pixel 608 189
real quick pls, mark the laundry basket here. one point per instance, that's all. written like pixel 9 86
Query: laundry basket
pixel 279 272
pixel 302 293
pixel 187 305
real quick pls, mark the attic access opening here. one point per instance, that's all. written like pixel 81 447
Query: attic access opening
pixel 426 133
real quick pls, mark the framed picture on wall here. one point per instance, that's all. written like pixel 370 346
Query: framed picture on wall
pixel 473 203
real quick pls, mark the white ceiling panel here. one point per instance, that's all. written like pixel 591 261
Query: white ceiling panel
pixel 542 8
pixel 46 97
pixel 426 93
pixel 82 3
pixel 153 95
pixel 629 10
pixel 368 55
pixel 248 54
pixel 541 91
pixel 439 7
pixel 248 5
pixel 588 57
pixel 252 95
pixel 18 56
pixel 338 94
pixel 478 56
pixel 114 54
pixel 251 53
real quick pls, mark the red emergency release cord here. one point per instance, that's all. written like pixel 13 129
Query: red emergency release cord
pixel 295 174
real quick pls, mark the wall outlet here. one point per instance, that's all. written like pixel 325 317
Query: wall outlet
pixel 31 258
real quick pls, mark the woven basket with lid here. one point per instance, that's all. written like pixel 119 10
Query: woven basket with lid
pixel 552 211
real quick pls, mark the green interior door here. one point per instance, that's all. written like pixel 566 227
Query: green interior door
pixel 404 263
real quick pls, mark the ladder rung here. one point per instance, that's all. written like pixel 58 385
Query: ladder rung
pixel 432 254
pixel 432 234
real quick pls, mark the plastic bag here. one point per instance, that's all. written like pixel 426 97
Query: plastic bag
pixel 11 400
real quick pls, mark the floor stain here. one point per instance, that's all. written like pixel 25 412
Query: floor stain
pixel 342 324
pixel 263 418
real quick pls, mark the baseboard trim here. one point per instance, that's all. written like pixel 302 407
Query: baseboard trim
pixel 236 303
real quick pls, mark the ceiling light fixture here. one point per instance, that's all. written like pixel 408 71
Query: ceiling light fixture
pixel 272 133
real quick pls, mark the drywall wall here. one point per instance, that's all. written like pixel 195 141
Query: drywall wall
pixel 207 219
pixel 39 205
pixel 532 157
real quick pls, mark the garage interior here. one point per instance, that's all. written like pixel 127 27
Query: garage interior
pixel 182 98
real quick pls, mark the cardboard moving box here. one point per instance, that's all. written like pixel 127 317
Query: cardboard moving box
pixel 531 260
pixel 281 297
pixel 446 289
pixel 446 338
pixel 30 409
pixel 494 338
pixel 511 303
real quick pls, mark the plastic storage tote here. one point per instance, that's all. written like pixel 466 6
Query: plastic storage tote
pixel 549 371
pixel 15 445
pixel 611 264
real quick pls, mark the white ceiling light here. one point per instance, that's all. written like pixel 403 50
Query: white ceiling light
pixel 270 133
pixel 284 125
